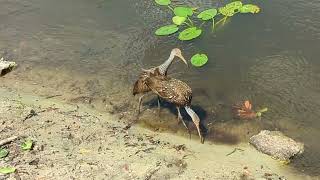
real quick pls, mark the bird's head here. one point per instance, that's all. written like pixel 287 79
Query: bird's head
pixel 177 52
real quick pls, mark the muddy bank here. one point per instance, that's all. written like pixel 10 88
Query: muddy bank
pixel 73 141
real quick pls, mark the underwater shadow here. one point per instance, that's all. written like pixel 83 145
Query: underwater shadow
pixel 153 103
pixel 212 134
pixel 219 136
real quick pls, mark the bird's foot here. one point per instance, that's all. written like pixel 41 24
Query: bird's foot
pixel 202 139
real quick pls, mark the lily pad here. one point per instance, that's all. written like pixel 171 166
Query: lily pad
pixel 163 2
pixel 7 170
pixel 235 5
pixel 226 12
pixel 231 8
pixel 199 60
pixel 167 30
pixel 189 33
pixel 250 8
pixel 3 153
pixel 178 20
pixel 207 14
pixel 183 11
pixel 27 145
pixel 195 8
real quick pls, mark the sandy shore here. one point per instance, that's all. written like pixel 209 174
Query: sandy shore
pixel 73 141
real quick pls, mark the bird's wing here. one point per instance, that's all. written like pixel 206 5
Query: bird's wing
pixel 158 86
pixel 170 89
pixel 183 92
pixel 140 85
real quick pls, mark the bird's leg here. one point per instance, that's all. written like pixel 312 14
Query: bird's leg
pixel 197 124
pixel 196 120
pixel 159 108
pixel 180 118
pixel 179 114
pixel 140 101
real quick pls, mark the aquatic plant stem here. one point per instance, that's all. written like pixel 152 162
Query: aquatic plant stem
pixel 212 24
pixel 187 24
pixel 223 19
pixel 170 8
pixel 201 24
pixel 190 21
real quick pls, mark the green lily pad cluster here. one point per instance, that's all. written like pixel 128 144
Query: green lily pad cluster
pixel 237 7
pixel 185 16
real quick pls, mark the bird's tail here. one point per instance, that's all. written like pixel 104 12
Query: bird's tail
pixel 196 120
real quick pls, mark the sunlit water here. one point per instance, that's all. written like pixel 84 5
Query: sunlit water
pixel 271 58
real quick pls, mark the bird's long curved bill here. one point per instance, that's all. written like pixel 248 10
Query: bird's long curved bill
pixel 183 59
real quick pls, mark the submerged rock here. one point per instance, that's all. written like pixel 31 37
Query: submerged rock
pixel 6 66
pixel 276 144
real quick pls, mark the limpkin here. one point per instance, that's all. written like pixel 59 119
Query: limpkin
pixel 140 86
pixel 178 93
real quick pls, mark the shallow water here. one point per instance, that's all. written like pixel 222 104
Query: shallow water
pixel 270 58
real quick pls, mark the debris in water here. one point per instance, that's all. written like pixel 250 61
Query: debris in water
pixel 53 96
pixel 243 110
pixel 235 149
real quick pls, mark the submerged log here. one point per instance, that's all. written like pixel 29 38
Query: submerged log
pixel 276 144
pixel 6 66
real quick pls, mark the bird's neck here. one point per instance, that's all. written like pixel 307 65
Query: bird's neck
pixel 163 68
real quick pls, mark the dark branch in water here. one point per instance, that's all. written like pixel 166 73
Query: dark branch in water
pixel 235 149
pixel 57 95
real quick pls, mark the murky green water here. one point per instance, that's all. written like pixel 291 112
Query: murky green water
pixel 270 58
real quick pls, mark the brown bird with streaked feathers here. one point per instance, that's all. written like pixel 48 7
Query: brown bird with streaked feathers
pixel 178 93
pixel 140 86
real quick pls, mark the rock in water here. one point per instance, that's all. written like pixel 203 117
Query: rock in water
pixel 276 144
pixel 6 66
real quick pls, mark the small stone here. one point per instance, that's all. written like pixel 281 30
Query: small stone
pixel 6 66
